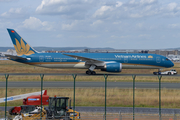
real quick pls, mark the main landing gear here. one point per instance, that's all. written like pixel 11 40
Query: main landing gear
pixel 90 72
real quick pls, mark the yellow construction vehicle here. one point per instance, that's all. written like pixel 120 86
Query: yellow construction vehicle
pixel 58 109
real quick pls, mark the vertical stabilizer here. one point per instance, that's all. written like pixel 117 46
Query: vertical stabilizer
pixel 20 45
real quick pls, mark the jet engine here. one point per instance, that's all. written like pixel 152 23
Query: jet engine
pixel 112 67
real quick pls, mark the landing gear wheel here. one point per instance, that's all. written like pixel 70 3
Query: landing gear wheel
pixel 93 72
pixel 169 73
pixel 88 72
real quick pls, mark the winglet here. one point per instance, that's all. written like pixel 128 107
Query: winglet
pixel 20 45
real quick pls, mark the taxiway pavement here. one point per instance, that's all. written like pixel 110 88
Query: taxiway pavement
pixel 70 84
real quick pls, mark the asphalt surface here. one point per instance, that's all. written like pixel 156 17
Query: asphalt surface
pixel 90 85
pixel 83 74
pixel 121 109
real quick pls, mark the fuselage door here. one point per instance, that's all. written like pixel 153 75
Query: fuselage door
pixel 41 58
pixel 158 59
pixel 125 59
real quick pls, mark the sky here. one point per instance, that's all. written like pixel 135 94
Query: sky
pixel 119 24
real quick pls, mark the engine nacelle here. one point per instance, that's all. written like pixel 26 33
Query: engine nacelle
pixel 112 67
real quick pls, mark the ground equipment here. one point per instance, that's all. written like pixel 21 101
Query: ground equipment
pixel 170 72
pixel 33 115
pixel 29 103
pixel 58 109
pixel 36 115
pixel 21 109
pixel 36 99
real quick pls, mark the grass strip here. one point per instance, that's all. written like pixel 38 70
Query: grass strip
pixel 115 97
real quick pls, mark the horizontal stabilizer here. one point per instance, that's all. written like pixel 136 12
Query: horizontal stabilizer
pixel 15 57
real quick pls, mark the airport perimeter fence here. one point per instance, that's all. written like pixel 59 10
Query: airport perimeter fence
pixel 118 116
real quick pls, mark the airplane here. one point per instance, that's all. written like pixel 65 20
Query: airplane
pixel 175 59
pixel 109 62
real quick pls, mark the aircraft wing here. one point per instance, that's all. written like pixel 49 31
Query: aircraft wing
pixel 89 60
pixel 15 57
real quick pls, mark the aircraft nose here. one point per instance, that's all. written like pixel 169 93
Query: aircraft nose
pixel 171 64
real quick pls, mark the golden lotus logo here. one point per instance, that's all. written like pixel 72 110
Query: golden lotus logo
pixel 150 56
pixel 22 49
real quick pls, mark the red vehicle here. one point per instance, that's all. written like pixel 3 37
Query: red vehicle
pixel 21 109
pixel 30 103
pixel 36 99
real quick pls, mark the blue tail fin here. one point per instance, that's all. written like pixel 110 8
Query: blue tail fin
pixel 20 45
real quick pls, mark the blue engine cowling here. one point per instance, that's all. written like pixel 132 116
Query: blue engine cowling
pixel 112 67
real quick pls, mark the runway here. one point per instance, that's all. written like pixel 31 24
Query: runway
pixel 83 74
pixel 70 84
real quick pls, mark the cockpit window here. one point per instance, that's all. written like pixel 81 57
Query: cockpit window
pixel 167 59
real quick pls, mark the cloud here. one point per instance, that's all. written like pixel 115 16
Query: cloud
pixel 114 36
pixel 92 36
pixel 102 11
pixel 172 6
pixel 94 9
pixel 120 37
pixel 131 9
pixel 36 24
pixel 139 25
pixel 118 4
pixel 136 15
pixel 174 26
pixel 46 5
pixel 171 10
pixel 15 13
pixel 117 22
pixel 87 36
pixel 66 8
pixel 97 22
pixel 126 36
pixel 144 35
pixel 59 35
pixel 131 1
pixel 94 15
pixel 148 1
pixel 69 26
